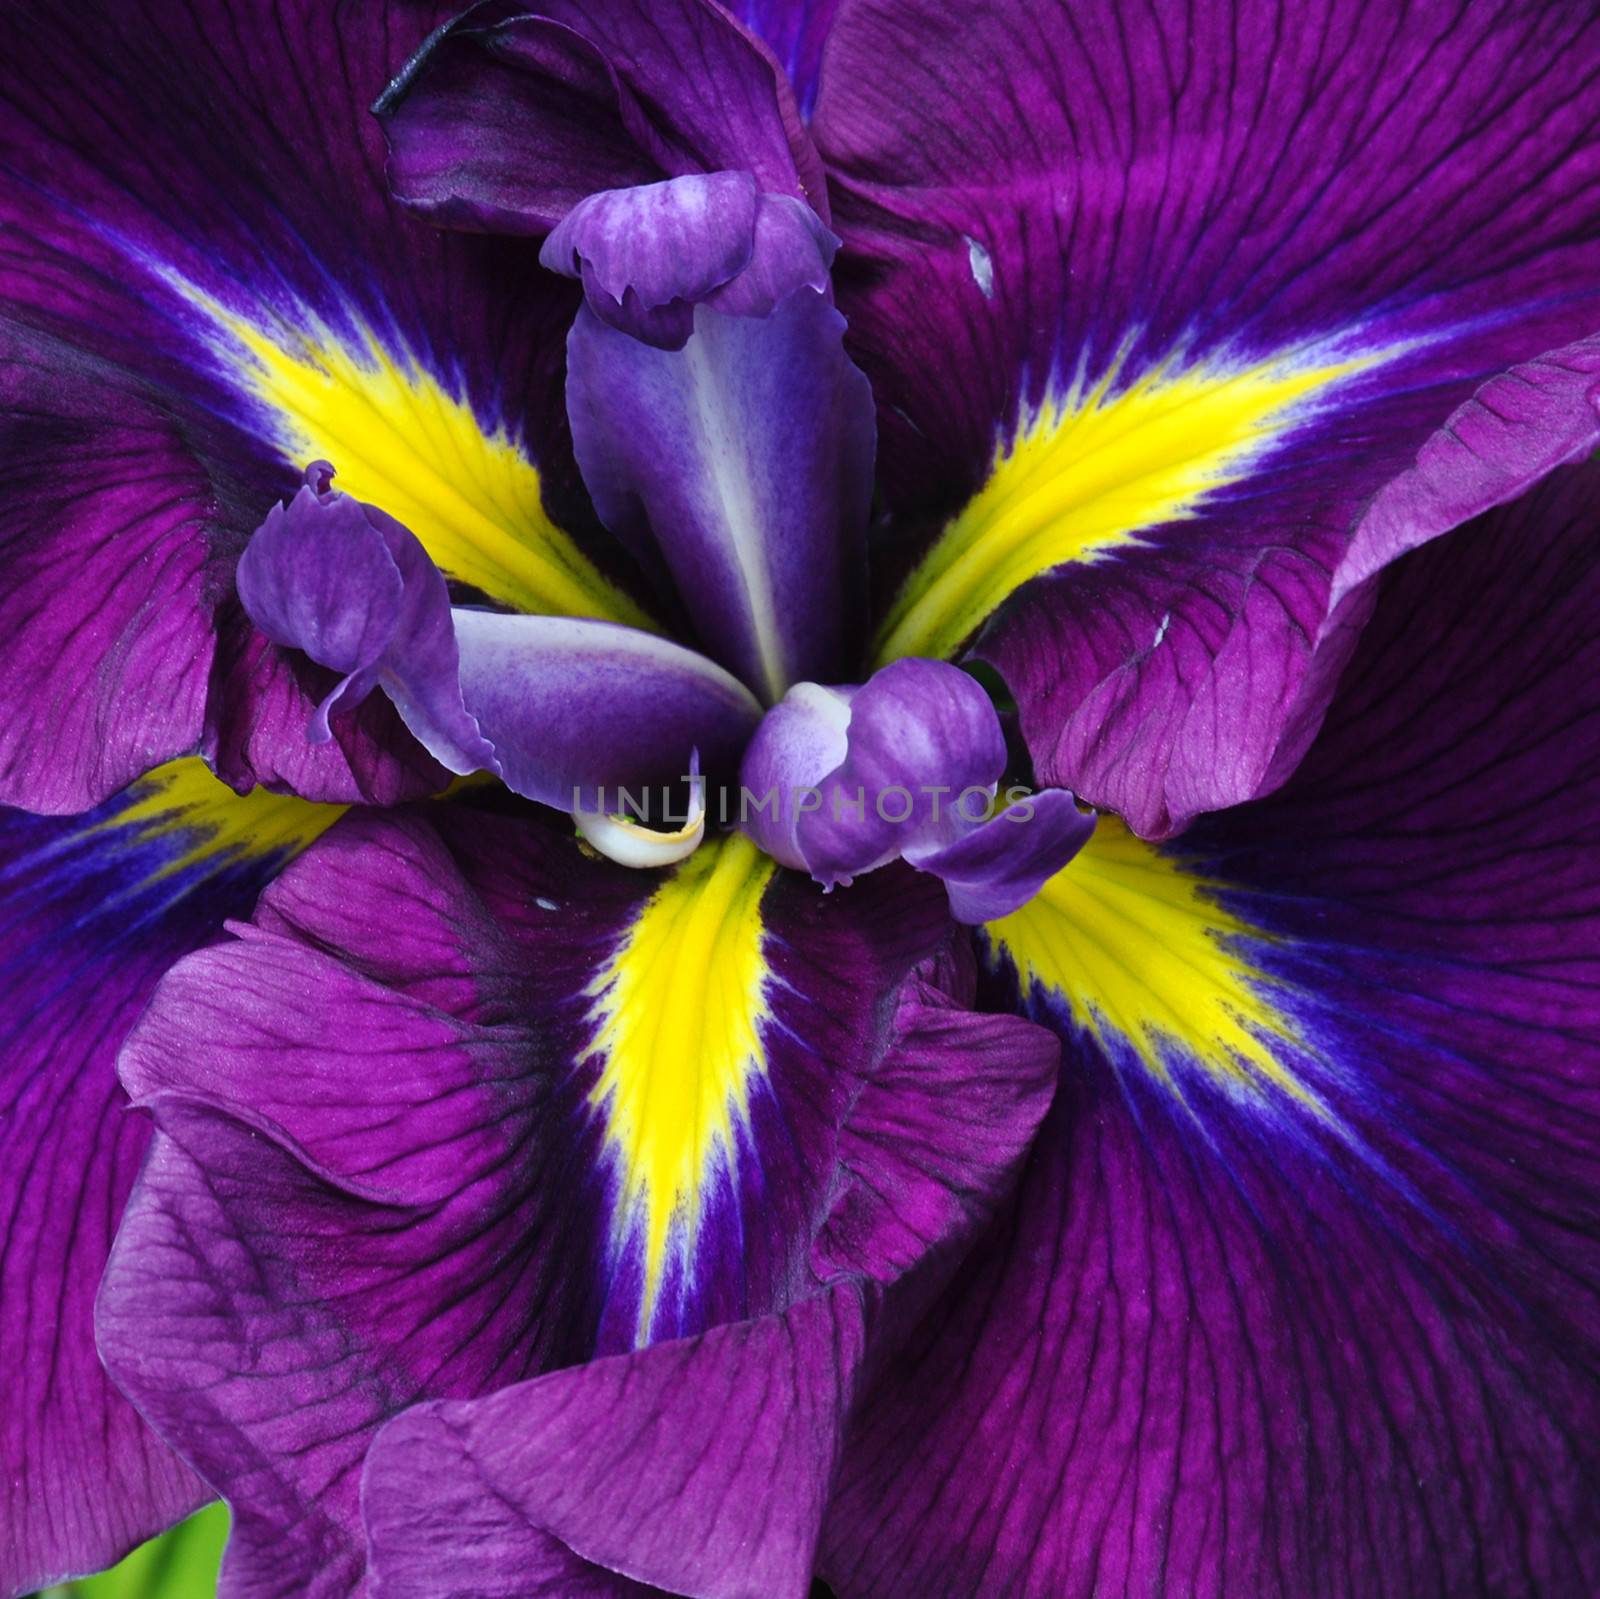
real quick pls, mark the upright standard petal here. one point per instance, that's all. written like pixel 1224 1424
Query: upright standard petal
pixel 528 1109
pixel 719 425
pixel 97 907
pixel 509 116
pixel 1301 1290
pixel 1156 305
pixel 204 285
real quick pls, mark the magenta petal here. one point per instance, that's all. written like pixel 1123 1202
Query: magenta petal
pixel 702 1466
pixel 1343 1330
pixel 1070 209
pixel 230 170
pixel 97 907
pixel 424 1200
pixel 696 1467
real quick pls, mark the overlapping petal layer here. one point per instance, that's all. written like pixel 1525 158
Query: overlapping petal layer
pixel 1154 306
pixel 96 907
pixel 204 285
pixel 513 114
pixel 1301 1291
pixel 702 1465
pixel 523 1109
pixel 521 697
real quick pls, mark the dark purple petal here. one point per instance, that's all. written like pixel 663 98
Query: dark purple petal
pixel 508 117
pixel 840 781
pixel 795 31
pixel 1158 304
pixel 525 1109
pixel 702 1465
pixel 1301 1291
pixel 505 121
pixel 97 907
pixel 744 460
pixel 205 285
pixel 89 469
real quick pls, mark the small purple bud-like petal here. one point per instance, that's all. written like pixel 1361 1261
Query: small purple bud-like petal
pixel 317 577
pixel 840 781
pixel 648 255
pixel 356 592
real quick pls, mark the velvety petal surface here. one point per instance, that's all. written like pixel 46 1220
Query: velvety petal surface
pixel 463 1106
pixel 702 1465
pixel 1301 1288
pixel 204 286
pixel 510 116
pixel 1156 304
pixel 97 907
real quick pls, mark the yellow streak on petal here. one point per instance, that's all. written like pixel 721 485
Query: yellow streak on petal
pixel 185 801
pixel 400 440
pixel 1090 470
pixel 679 1009
pixel 1141 949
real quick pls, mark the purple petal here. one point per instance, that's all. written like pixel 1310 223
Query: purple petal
pixel 924 729
pixel 702 1465
pixel 457 1175
pixel 1319 1278
pixel 577 710
pixel 999 865
pixel 205 286
pixel 795 31
pixel 1159 307
pixel 506 118
pixel 566 711
pixel 648 256
pixel 97 907
pixel 745 459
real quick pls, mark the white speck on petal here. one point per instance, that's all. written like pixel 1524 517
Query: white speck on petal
pixel 546 904
pixel 982 265
pixel 1161 632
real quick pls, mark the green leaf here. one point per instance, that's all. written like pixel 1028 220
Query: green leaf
pixel 182 1562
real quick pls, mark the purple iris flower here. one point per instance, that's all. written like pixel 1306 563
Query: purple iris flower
pixel 887 429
